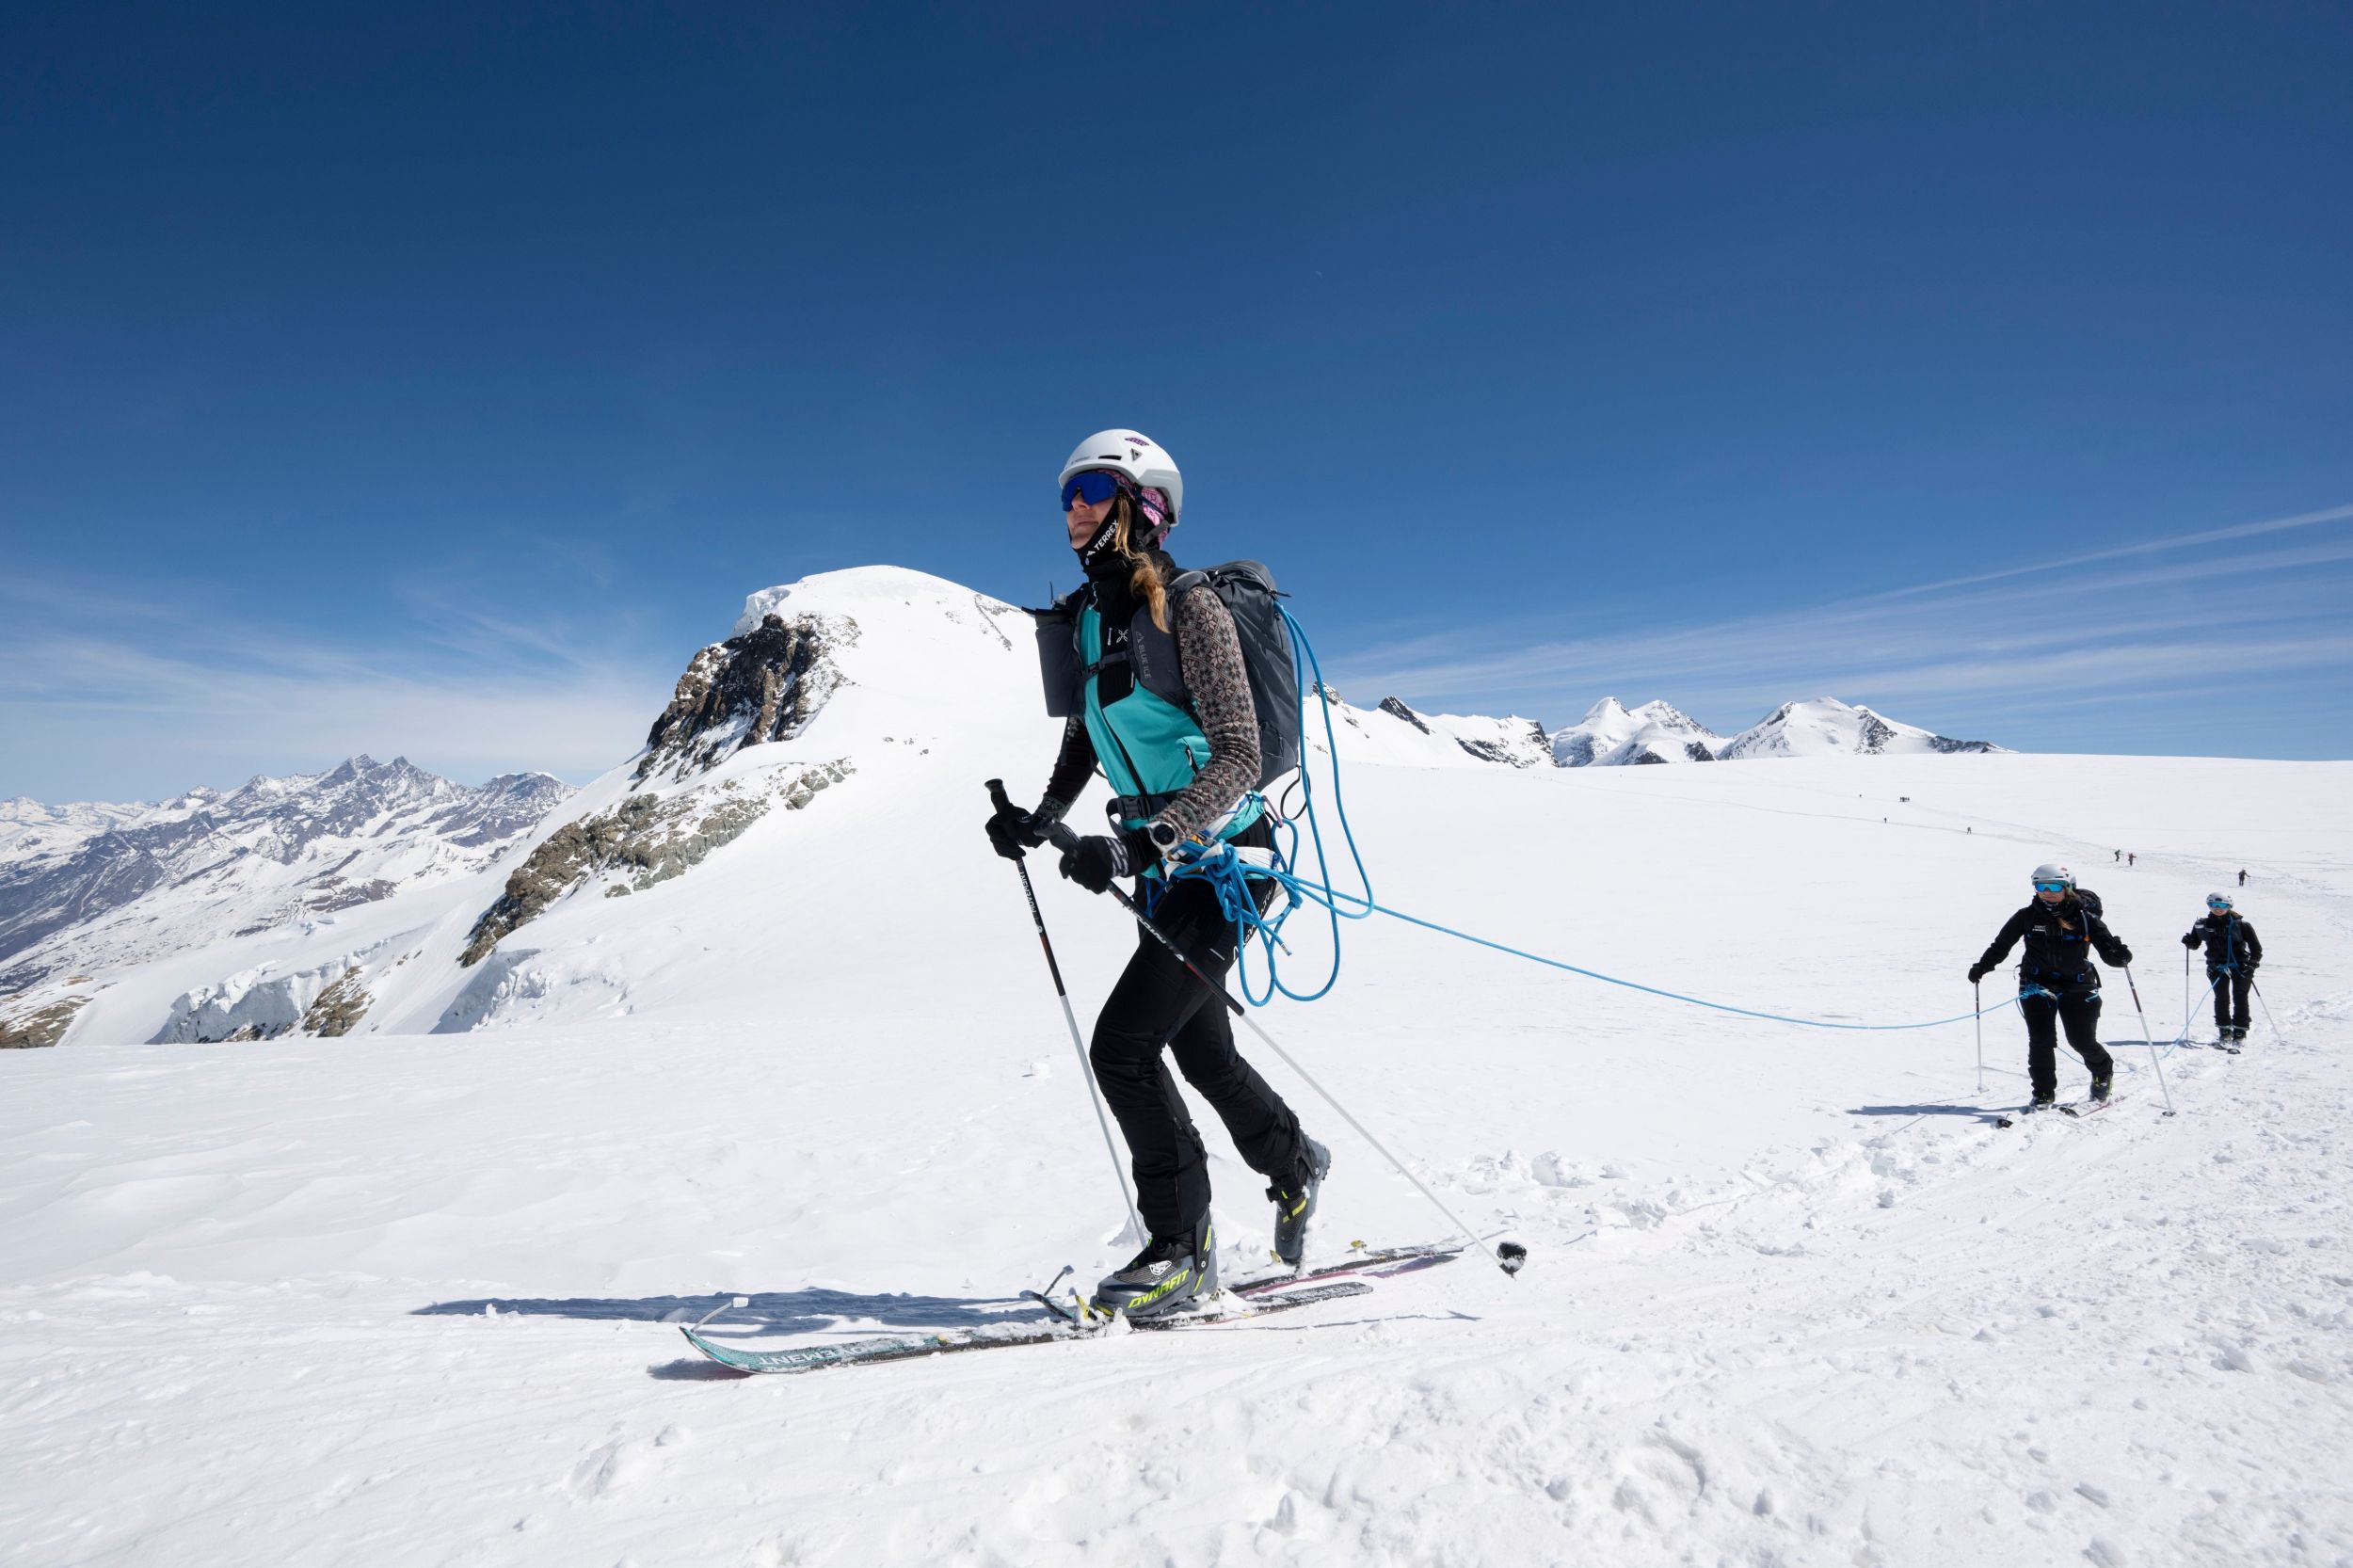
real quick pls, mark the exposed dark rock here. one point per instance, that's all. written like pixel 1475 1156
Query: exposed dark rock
pixel 762 686
pixel 337 1008
pixel 650 838
pixel 41 1026
pixel 1396 710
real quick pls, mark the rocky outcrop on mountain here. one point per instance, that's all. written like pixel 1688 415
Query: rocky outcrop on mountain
pixel 759 687
pixel 1514 741
pixel 85 887
pixel 41 1025
pixel 647 839
pixel 337 1008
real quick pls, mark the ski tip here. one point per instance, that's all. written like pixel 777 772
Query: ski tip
pixel 1511 1255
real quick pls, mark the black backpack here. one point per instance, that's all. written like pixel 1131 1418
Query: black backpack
pixel 1247 590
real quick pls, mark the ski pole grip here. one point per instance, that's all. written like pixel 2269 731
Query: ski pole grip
pixel 1060 834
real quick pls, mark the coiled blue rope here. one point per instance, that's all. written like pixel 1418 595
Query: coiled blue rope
pixel 1233 876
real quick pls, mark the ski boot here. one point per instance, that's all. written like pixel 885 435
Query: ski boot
pixel 1173 1274
pixel 2043 1102
pixel 2100 1088
pixel 1294 1201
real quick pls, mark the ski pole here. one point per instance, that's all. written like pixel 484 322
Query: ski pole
pixel 2277 1038
pixel 2186 1001
pixel 2149 1040
pixel 1509 1256
pixel 1977 997
pixel 1086 1069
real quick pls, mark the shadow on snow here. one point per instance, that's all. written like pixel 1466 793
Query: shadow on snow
pixel 1977 1110
pixel 773 1312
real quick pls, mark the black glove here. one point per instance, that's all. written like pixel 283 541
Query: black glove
pixel 1014 831
pixel 1094 862
pixel 2124 957
pixel 1978 971
pixel 2190 940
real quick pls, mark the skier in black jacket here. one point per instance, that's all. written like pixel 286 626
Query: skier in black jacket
pixel 2061 929
pixel 2232 953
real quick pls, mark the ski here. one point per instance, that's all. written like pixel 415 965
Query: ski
pixel 2087 1108
pixel 2020 1115
pixel 1387 1260
pixel 862 1352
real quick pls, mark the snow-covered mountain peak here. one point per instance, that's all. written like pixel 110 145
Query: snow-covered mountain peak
pixel 1825 726
pixel 921 648
pixel 1614 735
pixel 887 591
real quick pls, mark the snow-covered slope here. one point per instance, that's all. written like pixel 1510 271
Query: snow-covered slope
pixel 1825 726
pixel 1611 735
pixel 1792 1300
pixel 1393 733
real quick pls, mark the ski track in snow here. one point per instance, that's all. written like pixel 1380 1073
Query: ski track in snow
pixel 406 1298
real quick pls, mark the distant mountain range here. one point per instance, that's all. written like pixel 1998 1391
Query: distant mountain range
pixel 1612 735
pixel 96 884
pixel 377 897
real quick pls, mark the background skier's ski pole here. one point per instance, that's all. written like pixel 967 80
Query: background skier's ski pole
pixel 1976 1000
pixel 1508 1257
pixel 1086 1069
pixel 2149 1040
pixel 2276 1038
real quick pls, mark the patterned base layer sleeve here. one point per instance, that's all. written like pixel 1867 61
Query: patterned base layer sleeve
pixel 1209 654
pixel 1073 766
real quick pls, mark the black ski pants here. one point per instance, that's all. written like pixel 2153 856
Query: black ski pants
pixel 2230 995
pixel 2078 1008
pixel 1156 1004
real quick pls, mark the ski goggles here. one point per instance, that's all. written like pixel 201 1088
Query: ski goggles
pixel 1094 488
pixel 2218 903
pixel 2050 887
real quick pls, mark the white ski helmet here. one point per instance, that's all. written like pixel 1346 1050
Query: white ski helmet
pixel 2051 870
pixel 1138 456
pixel 2217 900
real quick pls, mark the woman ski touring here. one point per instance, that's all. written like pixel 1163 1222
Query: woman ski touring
pixel 2056 982
pixel 1162 710
pixel 2233 953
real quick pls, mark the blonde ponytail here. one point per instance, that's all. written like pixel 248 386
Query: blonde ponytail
pixel 1145 580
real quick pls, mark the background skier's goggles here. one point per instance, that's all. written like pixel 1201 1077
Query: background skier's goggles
pixel 1094 488
pixel 2050 887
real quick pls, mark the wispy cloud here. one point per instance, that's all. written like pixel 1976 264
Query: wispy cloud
pixel 2233 613
pixel 107 692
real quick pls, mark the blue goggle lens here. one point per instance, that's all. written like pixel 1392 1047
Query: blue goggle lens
pixel 1094 488
pixel 2218 903
pixel 2050 887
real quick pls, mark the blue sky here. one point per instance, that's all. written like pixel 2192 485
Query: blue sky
pixel 435 382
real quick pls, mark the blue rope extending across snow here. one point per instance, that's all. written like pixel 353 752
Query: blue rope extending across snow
pixel 1232 876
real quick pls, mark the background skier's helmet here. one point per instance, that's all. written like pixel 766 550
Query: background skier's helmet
pixel 1145 464
pixel 2051 870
